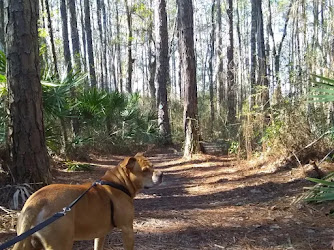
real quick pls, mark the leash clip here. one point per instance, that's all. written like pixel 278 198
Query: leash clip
pixel 97 183
pixel 66 210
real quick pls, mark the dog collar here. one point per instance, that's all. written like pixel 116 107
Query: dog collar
pixel 115 185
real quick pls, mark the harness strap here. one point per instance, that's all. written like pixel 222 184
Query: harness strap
pixel 112 214
pixel 116 186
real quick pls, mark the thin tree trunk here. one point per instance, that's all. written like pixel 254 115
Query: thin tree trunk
pixel 262 75
pixel 43 42
pixel 231 100
pixel 253 51
pixel 212 50
pixel 181 89
pixel 83 34
pixel 74 35
pixel 240 63
pixel 118 49
pixel 151 63
pixel 66 50
pixel 30 162
pixel 220 76
pixel 129 45
pixel 2 26
pixel 53 48
pixel 104 45
pixel 190 116
pixel 162 70
pixel 99 24
pixel 89 44
pixel 277 52
pixel 76 56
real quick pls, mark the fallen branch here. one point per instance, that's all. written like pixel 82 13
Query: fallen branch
pixel 8 211
pixel 311 144
pixel 318 139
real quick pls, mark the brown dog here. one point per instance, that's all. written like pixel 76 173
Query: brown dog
pixel 91 217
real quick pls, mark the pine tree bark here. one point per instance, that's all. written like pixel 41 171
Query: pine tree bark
pixel 262 60
pixel 220 77
pixel 231 92
pixel 129 45
pixel 118 50
pixel 30 162
pixel 77 59
pixel 2 26
pixel 188 74
pixel 212 50
pixel 66 50
pixel 241 81
pixel 53 48
pixel 104 45
pixel 89 38
pixel 162 70
pixel 254 25
pixel 99 24
pixel 74 35
pixel 83 34
pixel 151 63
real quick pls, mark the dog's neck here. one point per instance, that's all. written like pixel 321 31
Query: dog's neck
pixel 120 175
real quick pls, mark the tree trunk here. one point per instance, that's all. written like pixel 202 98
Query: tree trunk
pixel 151 63
pixel 89 38
pixel 99 24
pixel 212 51
pixel 129 45
pixel 44 57
pixel 262 75
pixel 220 76
pixel 74 35
pixel 188 74
pixel 118 51
pixel 231 100
pixel 2 26
pixel 30 162
pixel 162 70
pixel 277 51
pixel 253 51
pixel 83 33
pixel 104 45
pixel 53 48
pixel 67 54
pixel 241 81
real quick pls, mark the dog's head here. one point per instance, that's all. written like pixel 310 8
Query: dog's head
pixel 141 171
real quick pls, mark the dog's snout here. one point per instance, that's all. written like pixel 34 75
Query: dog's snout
pixel 157 177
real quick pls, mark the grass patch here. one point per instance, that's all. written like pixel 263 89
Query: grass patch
pixel 76 166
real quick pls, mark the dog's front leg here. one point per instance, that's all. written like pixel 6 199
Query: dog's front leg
pixel 128 237
pixel 99 243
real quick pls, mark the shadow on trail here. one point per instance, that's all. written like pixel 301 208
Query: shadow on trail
pixel 177 198
pixel 265 236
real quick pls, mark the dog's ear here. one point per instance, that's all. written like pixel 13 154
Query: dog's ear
pixel 139 154
pixel 130 163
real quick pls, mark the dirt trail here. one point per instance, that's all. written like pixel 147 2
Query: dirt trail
pixel 215 202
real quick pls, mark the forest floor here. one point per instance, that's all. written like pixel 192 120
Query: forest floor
pixel 214 202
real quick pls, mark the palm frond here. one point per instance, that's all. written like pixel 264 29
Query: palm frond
pixel 323 89
pixel 322 191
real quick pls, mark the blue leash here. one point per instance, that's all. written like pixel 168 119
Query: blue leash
pixel 58 215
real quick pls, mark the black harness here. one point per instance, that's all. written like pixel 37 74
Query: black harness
pixel 116 186
pixel 60 214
